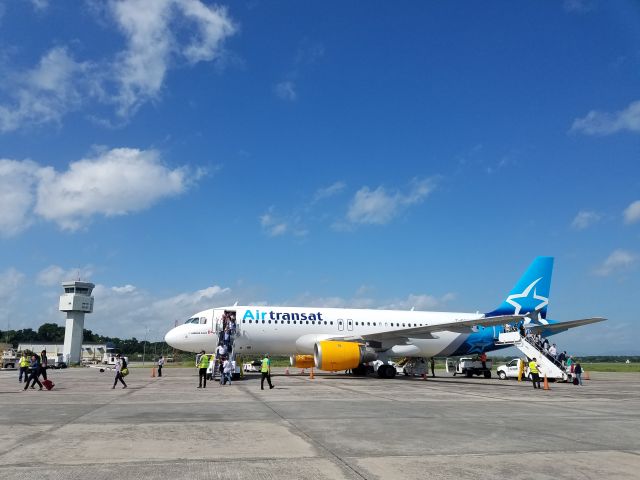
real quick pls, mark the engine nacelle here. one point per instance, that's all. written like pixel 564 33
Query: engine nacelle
pixel 301 361
pixel 336 355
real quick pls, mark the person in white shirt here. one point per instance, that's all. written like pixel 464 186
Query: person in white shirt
pixel 226 372
pixel 160 365
pixel 553 351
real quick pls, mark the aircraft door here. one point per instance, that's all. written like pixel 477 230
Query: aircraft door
pixel 340 324
pixel 349 324
pixel 217 320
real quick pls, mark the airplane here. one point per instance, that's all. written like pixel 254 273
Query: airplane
pixel 335 339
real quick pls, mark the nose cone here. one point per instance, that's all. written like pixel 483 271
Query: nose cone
pixel 172 337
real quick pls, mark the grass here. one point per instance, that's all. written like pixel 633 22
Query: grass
pixel 611 367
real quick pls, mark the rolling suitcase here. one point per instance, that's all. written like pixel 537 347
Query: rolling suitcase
pixel 48 384
pixel 575 380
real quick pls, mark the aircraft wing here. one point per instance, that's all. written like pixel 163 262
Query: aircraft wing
pixel 565 325
pixel 461 326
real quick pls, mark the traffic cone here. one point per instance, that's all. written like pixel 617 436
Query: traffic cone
pixel 286 371
pixel 546 383
pixel 586 375
pixel 311 375
pixel 153 372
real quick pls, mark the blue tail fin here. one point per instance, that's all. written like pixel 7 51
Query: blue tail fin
pixel 531 293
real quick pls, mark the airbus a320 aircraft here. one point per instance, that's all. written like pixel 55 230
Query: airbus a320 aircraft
pixel 335 339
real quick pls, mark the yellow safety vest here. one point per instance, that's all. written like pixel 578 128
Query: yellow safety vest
pixel 533 367
pixel 204 361
pixel 24 362
pixel 265 365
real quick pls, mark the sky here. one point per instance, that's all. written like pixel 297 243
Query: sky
pixel 186 154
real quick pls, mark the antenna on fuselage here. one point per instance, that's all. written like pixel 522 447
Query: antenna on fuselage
pixel 235 304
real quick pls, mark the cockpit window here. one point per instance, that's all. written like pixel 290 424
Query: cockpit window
pixel 203 320
pixel 193 320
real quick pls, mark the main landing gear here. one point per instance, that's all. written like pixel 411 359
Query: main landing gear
pixel 386 371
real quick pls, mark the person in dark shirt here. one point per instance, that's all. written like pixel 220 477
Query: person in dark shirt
pixel 34 367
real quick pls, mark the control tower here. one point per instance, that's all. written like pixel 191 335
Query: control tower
pixel 75 302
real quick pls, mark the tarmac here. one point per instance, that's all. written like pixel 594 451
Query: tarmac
pixel 329 427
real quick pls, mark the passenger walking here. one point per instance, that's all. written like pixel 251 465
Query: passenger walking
pixel 44 363
pixel 202 370
pixel 577 371
pixel 24 368
pixel 226 372
pixel 121 371
pixel 535 373
pixel 160 365
pixel 265 370
pixel 34 368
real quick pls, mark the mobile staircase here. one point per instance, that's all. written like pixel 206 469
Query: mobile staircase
pixel 549 366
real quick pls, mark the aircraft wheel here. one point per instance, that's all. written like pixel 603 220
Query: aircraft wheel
pixel 391 371
pixel 382 371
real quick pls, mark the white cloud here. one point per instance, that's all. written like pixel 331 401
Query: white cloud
pixel 40 5
pixel 54 275
pixel 113 182
pixel 116 182
pixel 127 310
pixel 10 282
pixel 585 219
pixel 415 301
pixel 602 123
pixel 578 6
pixel 150 27
pixel 45 93
pixel 378 207
pixel 619 260
pixel 273 225
pixel 286 90
pixel 159 35
pixel 18 182
pixel 329 191
pixel 632 212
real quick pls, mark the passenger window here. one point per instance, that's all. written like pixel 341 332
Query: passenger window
pixel 269 321
pixel 294 322
pixel 331 322
pixel 262 321
pixel 244 321
pixel 288 322
pixel 403 324
pixel 368 324
pixel 313 322
pixel 307 322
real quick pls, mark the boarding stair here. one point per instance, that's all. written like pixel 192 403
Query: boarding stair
pixel 549 366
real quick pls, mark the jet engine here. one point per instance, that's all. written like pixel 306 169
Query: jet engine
pixel 301 361
pixel 335 355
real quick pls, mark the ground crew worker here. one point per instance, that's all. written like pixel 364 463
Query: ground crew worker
pixel 202 370
pixel 24 368
pixel 535 373
pixel 432 363
pixel 483 359
pixel 160 365
pixel 265 370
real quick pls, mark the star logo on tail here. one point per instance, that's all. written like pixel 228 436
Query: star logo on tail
pixel 519 300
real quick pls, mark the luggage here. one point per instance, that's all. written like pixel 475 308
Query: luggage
pixel 575 380
pixel 48 384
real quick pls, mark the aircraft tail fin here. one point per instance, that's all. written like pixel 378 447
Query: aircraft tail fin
pixel 531 292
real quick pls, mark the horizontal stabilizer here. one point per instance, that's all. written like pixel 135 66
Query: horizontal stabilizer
pixel 565 325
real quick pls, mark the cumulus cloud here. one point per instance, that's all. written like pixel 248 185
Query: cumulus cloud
pixel 18 182
pixel 45 93
pixel 585 219
pixel 411 301
pixel 602 123
pixel 128 311
pixel 159 35
pixel 40 5
pixel 578 6
pixel 54 275
pixel 632 212
pixel 10 282
pixel 379 207
pixel 618 261
pixel 286 90
pixel 113 182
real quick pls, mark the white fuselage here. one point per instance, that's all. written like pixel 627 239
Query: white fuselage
pixel 289 330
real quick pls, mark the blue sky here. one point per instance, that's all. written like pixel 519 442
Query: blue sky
pixel 184 154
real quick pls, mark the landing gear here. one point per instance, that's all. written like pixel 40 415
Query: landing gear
pixel 386 371
pixel 359 371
